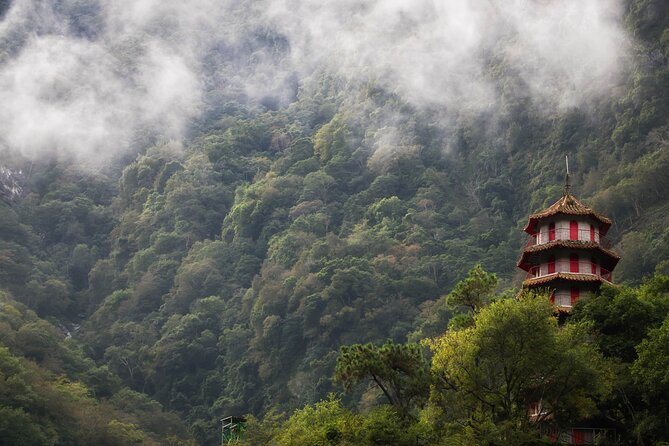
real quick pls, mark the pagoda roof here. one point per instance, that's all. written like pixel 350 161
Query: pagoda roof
pixel 568 205
pixel 571 277
pixel 612 257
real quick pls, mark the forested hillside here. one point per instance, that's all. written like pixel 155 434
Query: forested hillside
pixel 220 273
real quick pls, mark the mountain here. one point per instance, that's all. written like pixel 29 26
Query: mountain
pixel 220 273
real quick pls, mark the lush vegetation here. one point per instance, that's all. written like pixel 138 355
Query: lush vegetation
pixel 606 365
pixel 285 254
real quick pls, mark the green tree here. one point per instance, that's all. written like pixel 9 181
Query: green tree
pixel 399 370
pixel 317 186
pixel 512 356
pixel 17 427
pixel 650 372
pixel 475 291
pixel 623 315
pixel 332 139
pixel 323 424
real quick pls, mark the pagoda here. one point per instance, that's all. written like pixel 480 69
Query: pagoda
pixel 567 251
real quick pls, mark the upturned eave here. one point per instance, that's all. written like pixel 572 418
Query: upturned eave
pixel 567 205
pixel 612 258
pixel 571 277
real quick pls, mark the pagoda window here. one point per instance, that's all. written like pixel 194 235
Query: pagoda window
pixel 573 263
pixel 562 298
pixel 573 230
pixel 575 292
pixel 592 233
pixel 593 265
pixel 551 265
pixel 551 231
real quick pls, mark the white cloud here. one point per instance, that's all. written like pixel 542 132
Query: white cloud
pixel 438 53
pixel 84 77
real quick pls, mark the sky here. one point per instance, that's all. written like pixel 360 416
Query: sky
pixel 93 79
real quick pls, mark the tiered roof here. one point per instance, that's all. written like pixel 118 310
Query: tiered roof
pixel 571 277
pixel 610 256
pixel 568 205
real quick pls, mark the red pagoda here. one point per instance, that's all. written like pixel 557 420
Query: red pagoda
pixel 567 251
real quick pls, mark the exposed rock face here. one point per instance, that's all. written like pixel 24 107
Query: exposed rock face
pixel 10 187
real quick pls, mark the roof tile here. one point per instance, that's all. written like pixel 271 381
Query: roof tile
pixel 568 205
pixel 576 277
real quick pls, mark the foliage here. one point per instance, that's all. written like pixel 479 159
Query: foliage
pixel 222 274
pixel 399 371
pixel 329 423
pixel 512 356
pixel 649 372
pixel 623 315
pixel 51 393
pixel 475 291
pixel 629 323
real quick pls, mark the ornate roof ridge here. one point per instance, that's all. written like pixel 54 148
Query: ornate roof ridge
pixel 569 205
pixel 576 277
pixel 578 244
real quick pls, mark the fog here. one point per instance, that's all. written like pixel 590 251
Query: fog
pixel 97 78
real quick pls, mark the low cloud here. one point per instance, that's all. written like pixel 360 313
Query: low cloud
pixel 91 78
pixel 441 53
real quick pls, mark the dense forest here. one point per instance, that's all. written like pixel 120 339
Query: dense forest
pixel 310 262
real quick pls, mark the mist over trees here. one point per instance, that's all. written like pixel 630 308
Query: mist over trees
pixel 311 214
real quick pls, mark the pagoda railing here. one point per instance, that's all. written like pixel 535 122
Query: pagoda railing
pixel 583 235
pixel 567 266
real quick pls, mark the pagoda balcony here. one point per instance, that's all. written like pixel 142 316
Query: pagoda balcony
pixel 582 235
pixel 570 267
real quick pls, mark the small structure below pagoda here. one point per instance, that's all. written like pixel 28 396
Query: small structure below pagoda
pixel 568 251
